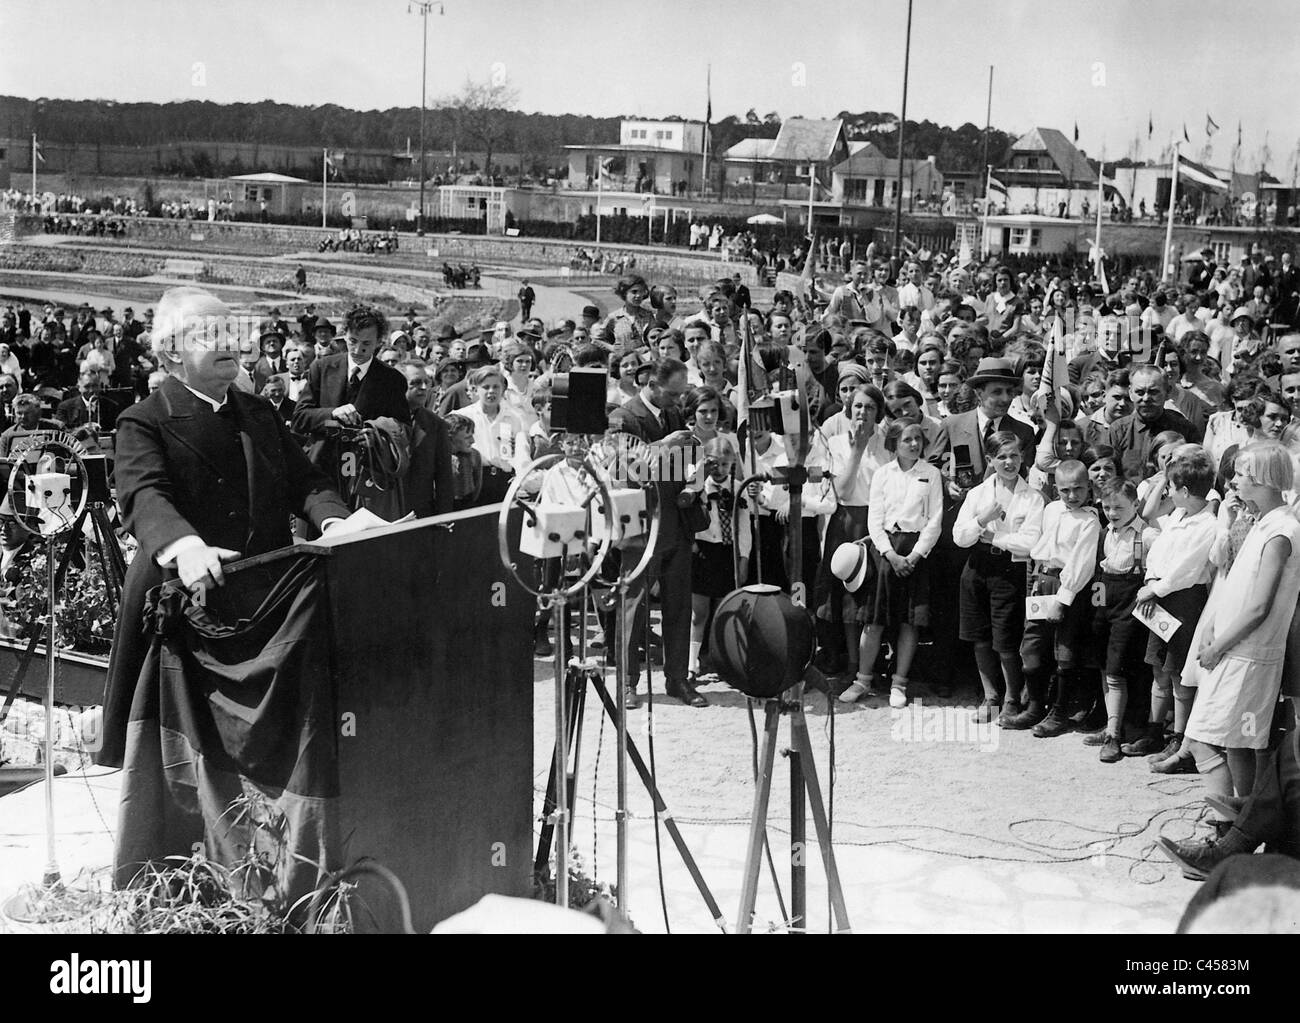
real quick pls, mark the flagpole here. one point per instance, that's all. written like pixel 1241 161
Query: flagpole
pixel 324 184
pixel 600 191
pixel 33 166
pixel 1101 177
pixel 812 188
pixel 902 125
pixel 1169 227
pixel 708 114
pixel 984 228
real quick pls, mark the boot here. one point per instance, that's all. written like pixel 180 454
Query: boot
pixel 1227 807
pixel 1056 723
pixel 542 641
pixel 1027 718
pixel 1151 742
pixel 1198 859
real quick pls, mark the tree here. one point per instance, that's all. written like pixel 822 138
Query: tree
pixel 481 111
pixel 751 116
pixel 772 118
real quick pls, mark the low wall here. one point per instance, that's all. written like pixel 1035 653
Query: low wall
pixel 653 262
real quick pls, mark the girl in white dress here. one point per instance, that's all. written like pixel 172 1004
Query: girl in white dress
pixel 1241 637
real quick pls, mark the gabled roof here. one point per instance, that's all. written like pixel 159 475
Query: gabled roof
pixel 802 140
pixel 866 146
pixel 269 178
pixel 750 149
pixel 1069 161
pixel 867 164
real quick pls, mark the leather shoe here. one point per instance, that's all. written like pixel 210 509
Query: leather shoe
pixel 1056 723
pixel 685 692
pixel 1027 718
pixel 631 699
pixel 1110 751
pixel 986 712
pixel 1010 709
pixel 1198 859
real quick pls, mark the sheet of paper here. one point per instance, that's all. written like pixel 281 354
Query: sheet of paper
pixel 362 519
pixel 1037 608
pixel 1159 621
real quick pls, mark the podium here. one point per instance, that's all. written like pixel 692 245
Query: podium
pixel 432 665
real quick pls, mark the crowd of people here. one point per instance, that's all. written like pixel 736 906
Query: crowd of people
pixel 1082 502
pixel 53 203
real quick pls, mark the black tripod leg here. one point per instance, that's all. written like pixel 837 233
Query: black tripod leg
pixel 111 584
pixel 661 809
pixel 802 743
pixel 576 696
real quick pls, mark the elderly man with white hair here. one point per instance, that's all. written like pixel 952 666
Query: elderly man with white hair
pixel 205 473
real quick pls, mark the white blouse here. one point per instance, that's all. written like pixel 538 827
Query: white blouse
pixel 906 501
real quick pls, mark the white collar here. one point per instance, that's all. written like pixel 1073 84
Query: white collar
pixel 360 369
pixel 216 406
pixel 655 411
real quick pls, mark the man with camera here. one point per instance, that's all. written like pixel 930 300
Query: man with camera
pixel 653 417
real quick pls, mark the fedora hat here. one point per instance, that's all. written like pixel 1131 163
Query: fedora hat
pixel 992 371
pixel 850 564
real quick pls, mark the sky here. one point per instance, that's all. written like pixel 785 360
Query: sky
pixel 1104 64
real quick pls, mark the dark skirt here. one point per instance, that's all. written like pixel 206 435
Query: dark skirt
pixel 897 600
pixel 848 524
pixel 713 572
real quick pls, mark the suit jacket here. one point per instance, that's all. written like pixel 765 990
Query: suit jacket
pixel 635 419
pixel 265 369
pixel 177 475
pixel 286 410
pixel 963 428
pixel 430 485
pixel 383 393
pixel 72 413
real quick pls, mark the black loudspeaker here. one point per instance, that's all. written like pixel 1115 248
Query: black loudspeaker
pixel 578 401
pixel 761 641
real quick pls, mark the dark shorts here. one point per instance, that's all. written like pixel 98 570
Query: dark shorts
pixel 993 600
pixel 1061 642
pixel 1185 605
pixel 1116 635
pixel 713 572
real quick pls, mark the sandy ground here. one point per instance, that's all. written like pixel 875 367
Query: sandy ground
pixel 938 826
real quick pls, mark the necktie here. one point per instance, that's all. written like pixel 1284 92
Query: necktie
pixel 725 500
pixel 354 386
pixel 989 430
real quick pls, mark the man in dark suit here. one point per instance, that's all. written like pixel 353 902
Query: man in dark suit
pixel 1286 292
pixel 430 488
pixel 87 413
pixel 995 384
pixel 654 418
pixel 275 393
pixel 272 361
pixel 205 474
pixel 349 388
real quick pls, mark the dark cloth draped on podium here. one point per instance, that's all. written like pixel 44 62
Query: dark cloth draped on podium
pixel 235 700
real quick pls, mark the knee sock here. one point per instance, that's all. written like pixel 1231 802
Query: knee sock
pixel 1183 699
pixel 1162 697
pixel 1015 682
pixel 1036 681
pixel 1116 701
pixel 693 659
pixel 987 663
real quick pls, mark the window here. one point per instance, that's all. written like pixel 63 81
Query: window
pixel 857 190
pixel 2 153
pixel 1023 237
pixel 1222 252
pixel 250 193
pixel 659 134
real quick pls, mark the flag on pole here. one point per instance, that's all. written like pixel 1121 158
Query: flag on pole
pixel 1210 126
pixel 1076 133
pixel 742 385
pixel 1151 126
pixel 708 91
pixel 1238 134
pixel 1186 137
pixel 36 148
pixel 332 160
pixel 996 186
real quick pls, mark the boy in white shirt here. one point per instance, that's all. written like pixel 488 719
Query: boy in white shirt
pixel 1064 560
pixel 1002 519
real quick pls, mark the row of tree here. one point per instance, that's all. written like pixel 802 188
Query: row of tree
pixel 480 116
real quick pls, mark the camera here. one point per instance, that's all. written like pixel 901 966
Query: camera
pixel 578 401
